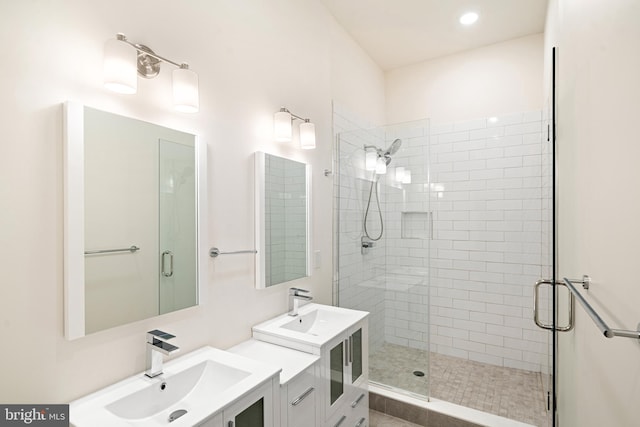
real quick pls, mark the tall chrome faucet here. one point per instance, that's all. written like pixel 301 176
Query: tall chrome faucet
pixel 294 299
pixel 157 345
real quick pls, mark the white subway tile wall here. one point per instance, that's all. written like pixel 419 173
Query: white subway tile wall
pixel 463 243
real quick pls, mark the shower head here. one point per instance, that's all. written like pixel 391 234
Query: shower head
pixel 393 148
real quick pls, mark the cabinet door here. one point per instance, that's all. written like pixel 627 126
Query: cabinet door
pixel 337 369
pixel 254 410
pixel 214 421
pixel 355 355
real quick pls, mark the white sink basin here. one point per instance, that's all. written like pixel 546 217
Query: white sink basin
pixel 209 377
pixel 191 388
pixel 318 322
pixel 315 325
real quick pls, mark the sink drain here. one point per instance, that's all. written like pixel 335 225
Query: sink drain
pixel 418 373
pixel 177 414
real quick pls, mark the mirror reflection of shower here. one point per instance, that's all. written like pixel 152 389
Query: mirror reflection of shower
pixel 376 160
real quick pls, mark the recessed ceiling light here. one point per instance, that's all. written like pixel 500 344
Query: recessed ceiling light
pixel 468 18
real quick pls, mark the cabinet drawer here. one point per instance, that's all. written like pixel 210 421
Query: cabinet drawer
pixel 302 399
pixel 359 398
pixel 360 410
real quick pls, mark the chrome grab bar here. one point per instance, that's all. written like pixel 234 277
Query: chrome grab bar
pixel 132 249
pixel 536 304
pixel 601 324
pixel 214 252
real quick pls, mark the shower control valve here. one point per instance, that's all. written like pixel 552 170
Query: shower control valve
pixel 366 243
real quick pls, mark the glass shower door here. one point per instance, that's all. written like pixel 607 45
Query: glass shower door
pixel 384 231
pixel 177 226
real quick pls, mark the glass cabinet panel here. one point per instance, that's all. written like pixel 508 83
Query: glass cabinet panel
pixel 253 416
pixel 356 355
pixel 337 372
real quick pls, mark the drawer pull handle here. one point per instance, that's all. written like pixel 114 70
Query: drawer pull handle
pixel 344 417
pixel 355 403
pixel 362 420
pixel 302 396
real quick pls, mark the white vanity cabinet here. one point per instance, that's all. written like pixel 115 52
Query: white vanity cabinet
pixel 300 400
pixel 339 336
pixel 344 365
pixel 255 409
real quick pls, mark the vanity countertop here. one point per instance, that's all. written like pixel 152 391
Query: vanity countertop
pixel 201 383
pixel 292 362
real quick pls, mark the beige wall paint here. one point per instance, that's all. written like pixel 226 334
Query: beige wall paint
pixel 488 81
pixel 598 203
pixel 252 57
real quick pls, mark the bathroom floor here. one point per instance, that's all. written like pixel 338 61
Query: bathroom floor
pixel 508 392
pixel 378 419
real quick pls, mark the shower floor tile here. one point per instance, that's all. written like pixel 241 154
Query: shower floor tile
pixel 508 392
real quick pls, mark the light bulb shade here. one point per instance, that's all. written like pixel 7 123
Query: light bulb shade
pixel 370 159
pixel 185 91
pixel 307 136
pixel 282 130
pixel 400 174
pixel 407 177
pixel 381 166
pixel 120 67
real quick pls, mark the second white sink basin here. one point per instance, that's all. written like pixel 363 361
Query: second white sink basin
pixel 318 322
pixel 315 325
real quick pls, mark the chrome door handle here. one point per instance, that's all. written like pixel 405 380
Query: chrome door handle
pixel 346 352
pixel 536 304
pixel 164 271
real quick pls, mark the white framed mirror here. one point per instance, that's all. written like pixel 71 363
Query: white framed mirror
pixel 134 207
pixel 282 219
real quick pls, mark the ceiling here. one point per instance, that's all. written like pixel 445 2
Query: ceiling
pixel 396 33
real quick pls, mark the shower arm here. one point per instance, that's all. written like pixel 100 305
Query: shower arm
pixel 378 149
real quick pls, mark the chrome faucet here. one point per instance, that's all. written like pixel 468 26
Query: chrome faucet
pixel 157 345
pixel 294 299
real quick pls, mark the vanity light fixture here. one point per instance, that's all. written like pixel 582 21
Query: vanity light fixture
pixel 283 129
pixel 381 166
pixel 406 179
pixel 124 61
pixel 370 157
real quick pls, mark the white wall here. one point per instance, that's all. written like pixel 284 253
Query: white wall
pixel 492 80
pixel 599 205
pixel 252 57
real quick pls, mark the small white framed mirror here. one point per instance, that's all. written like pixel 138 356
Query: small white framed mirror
pixel 282 219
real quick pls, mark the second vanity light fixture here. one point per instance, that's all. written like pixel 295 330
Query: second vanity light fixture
pixel 124 61
pixel 283 129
